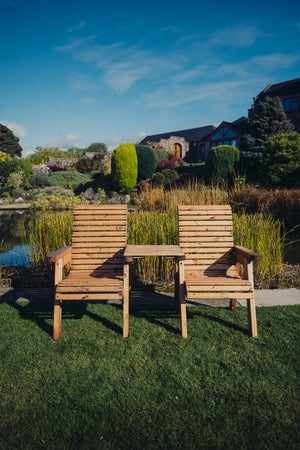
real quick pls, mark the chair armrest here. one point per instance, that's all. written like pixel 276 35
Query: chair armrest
pixel 241 253
pixel 61 253
pixel 61 257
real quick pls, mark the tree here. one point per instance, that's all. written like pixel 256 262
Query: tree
pixel 97 147
pixel 267 119
pixel 9 143
pixel 124 167
pixel 281 160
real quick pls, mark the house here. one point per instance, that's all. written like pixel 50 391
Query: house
pixel 188 144
pixel 194 144
pixel 289 93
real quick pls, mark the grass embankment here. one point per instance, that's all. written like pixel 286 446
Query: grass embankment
pixel 92 389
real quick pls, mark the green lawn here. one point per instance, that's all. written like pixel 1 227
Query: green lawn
pixel 94 390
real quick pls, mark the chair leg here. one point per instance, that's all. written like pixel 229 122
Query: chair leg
pixel 232 306
pixel 57 319
pixel 252 317
pixel 126 301
pixel 182 302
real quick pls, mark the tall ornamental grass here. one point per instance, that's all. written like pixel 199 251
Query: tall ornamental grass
pixel 163 199
pixel 50 231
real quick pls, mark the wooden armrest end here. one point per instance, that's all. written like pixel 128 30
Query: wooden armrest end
pixel 245 252
pixel 59 254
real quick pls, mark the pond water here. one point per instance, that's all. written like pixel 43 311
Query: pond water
pixel 14 251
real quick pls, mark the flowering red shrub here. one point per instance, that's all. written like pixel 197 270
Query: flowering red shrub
pixel 169 164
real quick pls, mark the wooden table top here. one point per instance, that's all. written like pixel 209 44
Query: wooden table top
pixel 153 250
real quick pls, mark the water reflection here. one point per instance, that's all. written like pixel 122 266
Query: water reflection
pixel 17 256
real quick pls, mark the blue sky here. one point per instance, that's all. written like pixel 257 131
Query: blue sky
pixel 75 72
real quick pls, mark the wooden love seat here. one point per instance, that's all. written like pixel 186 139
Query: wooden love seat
pixel 95 260
pixel 206 238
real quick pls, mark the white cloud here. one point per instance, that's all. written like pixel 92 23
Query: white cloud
pixel 80 83
pixel 114 141
pixel 19 130
pixel 237 36
pixel 63 141
pixel 81 25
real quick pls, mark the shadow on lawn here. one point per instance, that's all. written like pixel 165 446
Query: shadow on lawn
pixel 158 310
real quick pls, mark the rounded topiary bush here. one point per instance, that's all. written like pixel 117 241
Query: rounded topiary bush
pixel 124 167
pixel 158 179
pixel 147 161
pixel 220 162
pixel 170 175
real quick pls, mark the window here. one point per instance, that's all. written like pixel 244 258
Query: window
pixel 290 104
pixel 223 134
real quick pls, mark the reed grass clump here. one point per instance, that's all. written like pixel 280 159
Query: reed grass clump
pixel 48 232
pixel 264 235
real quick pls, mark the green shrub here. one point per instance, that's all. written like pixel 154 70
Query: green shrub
pixel 147 161
pixel 159 179
pixel 68 179
pixel 17 193
pixel 124 167
pixel 40 179
pixel 170 175
pixel 161 154
pixel 281 160
pixel 220 162
pixel 16 165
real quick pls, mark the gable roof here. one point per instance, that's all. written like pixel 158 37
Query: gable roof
pixel 238 126
pixel 190 135
pixel 281 89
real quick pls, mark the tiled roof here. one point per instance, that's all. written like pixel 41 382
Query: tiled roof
pixel 190 135
pixel 281 89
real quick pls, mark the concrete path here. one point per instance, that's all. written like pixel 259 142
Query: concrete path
pixel 274 297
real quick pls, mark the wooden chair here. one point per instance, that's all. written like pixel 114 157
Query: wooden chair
pixel 95 259
pixel 206 238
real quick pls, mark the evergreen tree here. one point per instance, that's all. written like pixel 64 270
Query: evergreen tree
pixel 9 143
pixel 267 119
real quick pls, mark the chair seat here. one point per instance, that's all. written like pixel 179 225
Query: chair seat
pixel 217 284
pixel 86 286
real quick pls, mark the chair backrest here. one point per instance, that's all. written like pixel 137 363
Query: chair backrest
pixel 99 238
pixel 206 237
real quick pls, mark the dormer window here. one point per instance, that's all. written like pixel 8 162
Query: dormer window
pixel 290 104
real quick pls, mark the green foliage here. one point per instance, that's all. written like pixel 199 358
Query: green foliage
pixel 97 147
pixel 86 164
pixel 170 175
pixel 124 167
pixel 267 119
pixel 281 161
pixel 68 179
pixel 147 160
pixel 42 155
pixel 4 155
pixel 161 154
pixel 15 165
pixel 220 162
pixel 15 180
pixel 9 143
pixel 159 179
pixel 40 179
